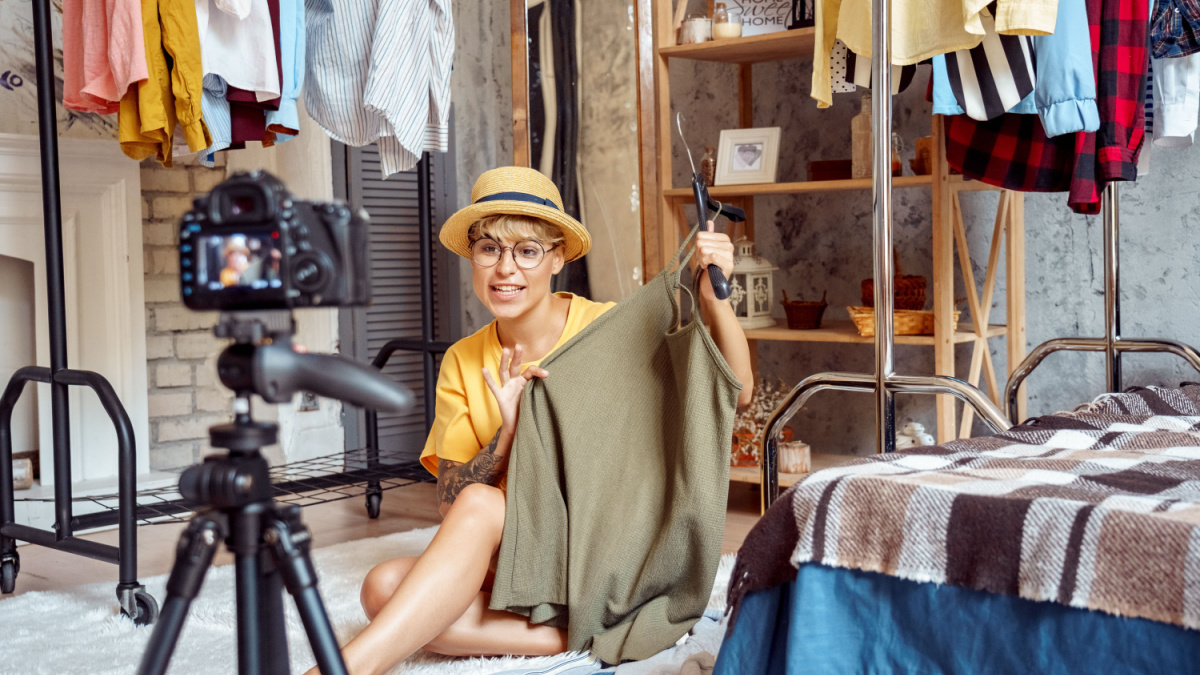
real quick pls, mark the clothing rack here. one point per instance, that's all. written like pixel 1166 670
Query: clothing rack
pixel 135 601
pixel 1112 344
pixel 884 382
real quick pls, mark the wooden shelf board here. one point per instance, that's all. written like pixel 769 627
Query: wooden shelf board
pixel 819 460
pixel 727 191
pixel 788 44
pixel 836 330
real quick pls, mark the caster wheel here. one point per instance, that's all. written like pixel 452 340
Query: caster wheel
pixel 147 609
pixel 373 502
pixel 8 576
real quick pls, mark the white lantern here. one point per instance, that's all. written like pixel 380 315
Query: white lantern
pixel 751 290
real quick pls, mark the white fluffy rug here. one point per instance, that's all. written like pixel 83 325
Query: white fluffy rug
pixel 80 630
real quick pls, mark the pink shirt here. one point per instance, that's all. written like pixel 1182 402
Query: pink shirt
pixel 103 53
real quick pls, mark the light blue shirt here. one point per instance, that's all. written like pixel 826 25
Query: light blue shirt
pixel 215 109
pixel 1065 92
pixel 291 52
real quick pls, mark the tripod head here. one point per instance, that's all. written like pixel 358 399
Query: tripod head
pixel 262 361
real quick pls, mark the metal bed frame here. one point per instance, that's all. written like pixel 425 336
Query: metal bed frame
pixel 1112 344
pixel 134 600
pixel 884 382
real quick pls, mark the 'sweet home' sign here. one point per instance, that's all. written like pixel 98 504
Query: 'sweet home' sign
pixel 763 16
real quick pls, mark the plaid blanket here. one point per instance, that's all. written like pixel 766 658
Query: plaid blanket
pixel 1097 509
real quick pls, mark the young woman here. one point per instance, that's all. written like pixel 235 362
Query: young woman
pixel 517 238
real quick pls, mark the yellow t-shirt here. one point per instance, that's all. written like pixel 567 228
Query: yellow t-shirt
pixel 467 415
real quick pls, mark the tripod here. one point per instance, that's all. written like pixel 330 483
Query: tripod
pixel 269 543
pixel 270 547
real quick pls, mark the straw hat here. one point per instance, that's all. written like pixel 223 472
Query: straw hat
pixel 515 190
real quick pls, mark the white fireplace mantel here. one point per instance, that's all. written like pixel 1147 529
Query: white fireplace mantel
pixel 105 307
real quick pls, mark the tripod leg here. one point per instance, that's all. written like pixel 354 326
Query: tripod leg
pixel 245 539
pixel 193 556
pixel 272 628
pixel 289 541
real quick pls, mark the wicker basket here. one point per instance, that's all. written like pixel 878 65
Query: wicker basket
pixel 905 322
pixel 803 315
pixel 908 290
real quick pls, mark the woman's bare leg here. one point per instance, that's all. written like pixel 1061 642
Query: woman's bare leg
pixel 478 632
pixel 439 589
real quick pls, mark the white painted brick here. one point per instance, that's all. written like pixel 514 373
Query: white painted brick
pixel 159 347
pixel 177 318
pixel 214 400
pixel 164 260
pixel 170 208
pixel 193 428
pixel 145 209
pixel 165 180
pixel 162 289
pixel 173 375
pixel 198 345
pixel 206 375
pixel 170 405
pixel 205 179
pixel 164 233
pixel 165 456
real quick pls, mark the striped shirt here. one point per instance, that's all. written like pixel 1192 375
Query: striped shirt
pixel 994 77
pixel 381 71
pixel 851 71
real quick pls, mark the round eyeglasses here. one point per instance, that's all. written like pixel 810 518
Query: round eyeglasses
pixel 526 254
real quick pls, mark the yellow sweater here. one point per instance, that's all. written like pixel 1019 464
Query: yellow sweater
pixel 171 95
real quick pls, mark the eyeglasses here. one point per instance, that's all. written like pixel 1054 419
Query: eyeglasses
pixel 526 254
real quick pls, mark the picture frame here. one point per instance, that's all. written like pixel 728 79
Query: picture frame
pixel 746 156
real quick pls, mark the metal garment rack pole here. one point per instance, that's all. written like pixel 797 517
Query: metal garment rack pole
pixel 135 602
pixel 426 345
pixel 885 383
pixel 1112 344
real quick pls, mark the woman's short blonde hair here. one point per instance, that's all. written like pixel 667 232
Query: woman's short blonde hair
pixel 508 227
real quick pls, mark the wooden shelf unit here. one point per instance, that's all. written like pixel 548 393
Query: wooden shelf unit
pixel 663 226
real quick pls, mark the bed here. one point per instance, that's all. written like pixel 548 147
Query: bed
pixel 1068 544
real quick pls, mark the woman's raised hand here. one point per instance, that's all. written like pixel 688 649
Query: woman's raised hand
pixel 512 383
pixel 713 248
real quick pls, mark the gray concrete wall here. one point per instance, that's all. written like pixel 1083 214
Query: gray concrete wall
pixel 822 242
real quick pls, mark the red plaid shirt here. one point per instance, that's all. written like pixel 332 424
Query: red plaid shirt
pixel 1012 151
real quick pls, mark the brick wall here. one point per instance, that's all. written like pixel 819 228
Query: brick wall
pixel 181 352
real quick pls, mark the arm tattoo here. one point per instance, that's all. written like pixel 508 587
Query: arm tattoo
pixel 486 467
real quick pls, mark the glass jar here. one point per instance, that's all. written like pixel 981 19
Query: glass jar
pixel 726 23
pixel 696 29
pixel 708 166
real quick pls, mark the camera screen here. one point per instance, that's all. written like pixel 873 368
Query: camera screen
pixel 247 261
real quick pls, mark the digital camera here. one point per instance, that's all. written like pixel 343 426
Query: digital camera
pixel 249 244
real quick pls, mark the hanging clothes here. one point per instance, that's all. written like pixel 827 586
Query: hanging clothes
pixel 1175 28
pixel 1013 153
pixel 104 53
pixel 921 29
pixel 170 95
pixel 247 108
pixel 993 77
pixel 618 479
pixel 1177 100
pixel 381 71
pixel 283 123
pixel 1143 164
pixel 1064 92
pixel 849 72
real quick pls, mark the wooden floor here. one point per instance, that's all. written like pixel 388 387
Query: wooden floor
pixel 406 508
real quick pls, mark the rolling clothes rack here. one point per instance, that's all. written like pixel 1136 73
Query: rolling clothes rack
pixel 135 601
pixel 884 382
pixel 426 345
pixel 1112 344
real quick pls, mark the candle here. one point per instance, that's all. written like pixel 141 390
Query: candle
pixel 722 31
